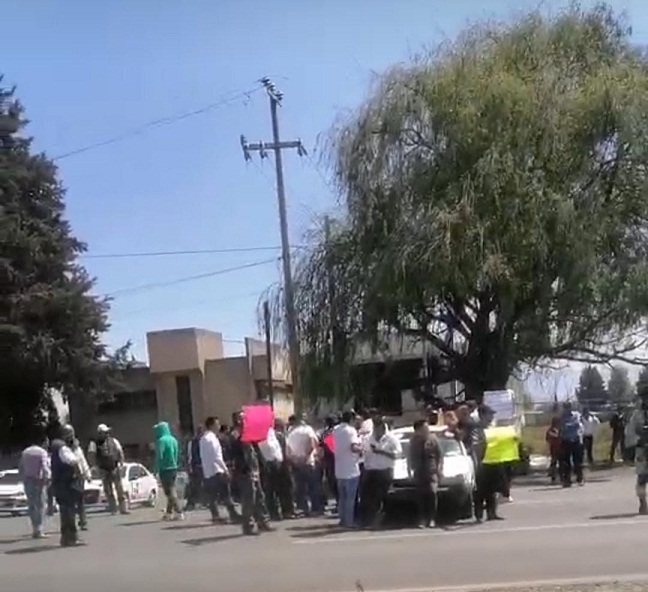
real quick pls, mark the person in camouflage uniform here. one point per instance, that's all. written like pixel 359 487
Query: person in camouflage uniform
pixel 638 425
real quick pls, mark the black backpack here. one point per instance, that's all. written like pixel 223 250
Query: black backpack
pixel 107 454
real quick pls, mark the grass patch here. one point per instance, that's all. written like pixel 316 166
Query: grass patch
pixel 534 439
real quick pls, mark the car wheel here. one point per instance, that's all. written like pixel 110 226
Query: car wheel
pixel 152 499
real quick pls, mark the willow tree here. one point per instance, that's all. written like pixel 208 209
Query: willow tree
pixel 495 203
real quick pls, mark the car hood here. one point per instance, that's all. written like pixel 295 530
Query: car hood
pixel 11 490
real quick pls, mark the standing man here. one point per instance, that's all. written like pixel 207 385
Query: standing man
pixel 83 475
pixel 65 473
pixel 286 498
pixel 194 465
pixel 382 450
pixel 107 454
pixel 487 476
pixel 246 465
pixel 617 423
pixel 272 457
pixel 302 450
pixel 638 425
pixel 166 466
pixel 215 472
pixel 571 445
pixel 36 474
pixel 590 426
pixel 327 446
pixel 426 464
pixel 347 467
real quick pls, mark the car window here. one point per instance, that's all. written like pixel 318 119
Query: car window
pixel 141 471
pixel 449 446
pixel 9 478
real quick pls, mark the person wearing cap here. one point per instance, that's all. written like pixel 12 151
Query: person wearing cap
pixel 65 476
pixel 107 455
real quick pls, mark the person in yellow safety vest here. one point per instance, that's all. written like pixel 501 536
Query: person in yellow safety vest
pixel 501 448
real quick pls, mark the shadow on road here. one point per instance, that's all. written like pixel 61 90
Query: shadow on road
pixel 189 526
pixel 12 541
pixel 214 539
pixel 29 550
pixel 140 523
pixel 614 516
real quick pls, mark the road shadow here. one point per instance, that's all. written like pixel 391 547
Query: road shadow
pixel 333 529
pixel 139 523
pixel 21 539
pixel 190 526
pixel 214 539
pixel 31 550
pixel 615 516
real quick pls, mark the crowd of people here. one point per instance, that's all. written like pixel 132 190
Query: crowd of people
pixel 571 437
pixel 294 472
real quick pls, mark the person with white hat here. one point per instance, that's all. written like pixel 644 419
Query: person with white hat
pixel 108 456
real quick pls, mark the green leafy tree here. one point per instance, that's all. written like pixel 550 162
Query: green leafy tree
pixel 50 323
pixel 619 386
pixel 591 391
pixel 494 204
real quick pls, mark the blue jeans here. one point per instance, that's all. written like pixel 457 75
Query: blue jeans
pixel 347 492
pixel 36 493
pixel 308 487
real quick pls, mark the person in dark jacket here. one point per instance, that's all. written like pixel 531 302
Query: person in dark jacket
pixel 194 465
pixel 65 480
pixel 426 464
pixel 488 477
pixel 245 460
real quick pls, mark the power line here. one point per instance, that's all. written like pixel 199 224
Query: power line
pixel 190 278
pixel 181 252
pixel 116 317
pixel 222 102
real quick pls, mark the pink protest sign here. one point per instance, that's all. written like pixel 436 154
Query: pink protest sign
pixel 257 420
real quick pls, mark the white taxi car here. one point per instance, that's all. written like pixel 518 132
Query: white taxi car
pixel 13 500
pixel 456 484
pixel 140 487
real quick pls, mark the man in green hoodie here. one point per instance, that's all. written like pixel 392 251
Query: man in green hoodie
pixel 166 466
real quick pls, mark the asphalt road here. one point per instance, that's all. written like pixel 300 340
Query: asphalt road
pixel 589 534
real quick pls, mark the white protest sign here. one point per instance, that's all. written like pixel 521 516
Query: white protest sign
pixel 503 404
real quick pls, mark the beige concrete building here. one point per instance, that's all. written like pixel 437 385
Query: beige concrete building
pixel 188 379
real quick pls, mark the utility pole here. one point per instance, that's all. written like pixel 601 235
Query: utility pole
pixel 266 323
pixel 289 296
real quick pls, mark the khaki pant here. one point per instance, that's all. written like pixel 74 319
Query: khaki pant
pixel 112 483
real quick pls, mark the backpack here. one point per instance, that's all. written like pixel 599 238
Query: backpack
pixel 107 454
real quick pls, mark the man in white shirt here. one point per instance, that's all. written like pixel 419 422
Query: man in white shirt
pixel 590 427
pixel 380 453
pixel 347 467
pixel 215 472
pixel 301 445
pixel 272 457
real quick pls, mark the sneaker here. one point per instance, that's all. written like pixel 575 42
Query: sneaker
pixel 39 535
pixel 166 517
pixel 178 517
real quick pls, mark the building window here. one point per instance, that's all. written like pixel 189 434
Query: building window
pixel 129 401
pixel 185 408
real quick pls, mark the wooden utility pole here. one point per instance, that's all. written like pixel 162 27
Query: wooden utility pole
pixel 289 296
pixel 266 325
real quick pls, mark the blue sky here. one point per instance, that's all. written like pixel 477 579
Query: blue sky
pixel 90 71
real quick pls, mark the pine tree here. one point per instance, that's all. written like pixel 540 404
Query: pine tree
pixel 591 390
pixel 619 386
pixel 50 323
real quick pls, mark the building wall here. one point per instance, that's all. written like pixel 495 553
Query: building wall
pixel 228 386
pixel 179 350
